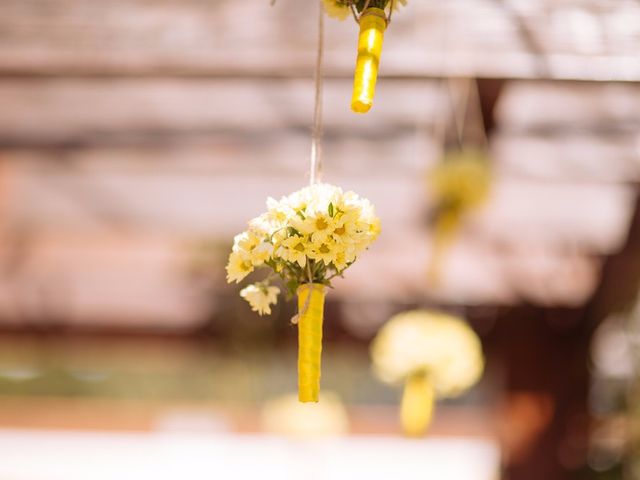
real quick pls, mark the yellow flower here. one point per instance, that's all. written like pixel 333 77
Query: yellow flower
pixel 318 226
pixel 397 3
pixel 238 267
pixel 336 8
pixel 245 241
pixel 261 253
pixel 443 346
pixel 278 213
pixel 263 226
pixel 462 180
pixel 260 297
pixel 340 261
pixel 325 250
pixel 294 249
pixel 344 231
pixel 251 246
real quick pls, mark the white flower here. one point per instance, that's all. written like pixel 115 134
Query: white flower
pixel 239 266
pixel 310 235
pixel 424 341
pixel 336 8
pixel 260 297
pixel 397 3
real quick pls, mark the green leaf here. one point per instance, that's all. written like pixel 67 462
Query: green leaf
pixel 292 286
pixel 331 212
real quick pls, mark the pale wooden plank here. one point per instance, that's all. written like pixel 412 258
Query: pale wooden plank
pixel 577 157
pixel 149 110
pixel 589 216
pixel 122 280
pixel 214 192
pixel 473 273
pixel 580 39
pixel 558 108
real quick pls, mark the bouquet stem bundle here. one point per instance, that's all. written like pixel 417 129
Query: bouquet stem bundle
pixel 311 308
pixel 373 23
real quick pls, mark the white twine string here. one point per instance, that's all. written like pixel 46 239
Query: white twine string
pixel 315 169
pixel 296 318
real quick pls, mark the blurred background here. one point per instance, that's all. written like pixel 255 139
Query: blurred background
pixel 137 137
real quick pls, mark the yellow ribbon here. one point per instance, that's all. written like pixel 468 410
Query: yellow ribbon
pixel 310 316
pixel 416 409
pixel 373 23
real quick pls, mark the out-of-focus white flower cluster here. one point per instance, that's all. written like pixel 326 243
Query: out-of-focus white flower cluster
pixel 310 236
pixel 442 346
pixel 287 416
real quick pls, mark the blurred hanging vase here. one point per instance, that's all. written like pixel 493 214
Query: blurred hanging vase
pixel 434 355
pixel 373 23
pixel 310 316
pixel 416 408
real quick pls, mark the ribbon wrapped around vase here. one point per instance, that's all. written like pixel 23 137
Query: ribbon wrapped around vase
pixel 416 409
pixel 373 23
pixel 311 313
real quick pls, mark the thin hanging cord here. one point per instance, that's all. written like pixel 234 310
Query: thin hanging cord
pixel 315 169
pixel 460 90
pixel 475 93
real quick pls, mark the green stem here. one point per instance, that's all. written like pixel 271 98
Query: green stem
pixel 372 4
pixel 309 271
pixel 339 273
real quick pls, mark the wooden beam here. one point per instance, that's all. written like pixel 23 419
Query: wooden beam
pixel 430 38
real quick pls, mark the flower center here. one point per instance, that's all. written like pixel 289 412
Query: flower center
pixel 340 231
pixel 321 224
pixel 299 247
pixel 324 249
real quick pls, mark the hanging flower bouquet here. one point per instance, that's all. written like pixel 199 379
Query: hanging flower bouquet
pixel 460 184
pixel 436 356
pixel 373 16
pixel 307 239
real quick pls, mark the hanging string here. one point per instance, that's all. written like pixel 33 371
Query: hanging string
pixel 315 168
pixel 459 92
pixel 475 94
pixel 464 95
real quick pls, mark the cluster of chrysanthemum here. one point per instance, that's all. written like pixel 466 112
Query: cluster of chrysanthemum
pixel 442 346
pixel 462 180
pixel 340 9
pixel 309 236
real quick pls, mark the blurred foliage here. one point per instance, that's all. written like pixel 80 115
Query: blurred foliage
pixel 166 370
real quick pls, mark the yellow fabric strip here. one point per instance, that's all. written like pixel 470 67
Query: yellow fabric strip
pixel 416 409
pixel 444 235
pixel 372 26
pixel 310 341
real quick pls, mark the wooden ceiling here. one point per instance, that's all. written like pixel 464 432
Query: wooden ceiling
pixel 131 129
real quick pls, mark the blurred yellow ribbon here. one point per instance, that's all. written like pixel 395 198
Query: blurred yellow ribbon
pixel 416 409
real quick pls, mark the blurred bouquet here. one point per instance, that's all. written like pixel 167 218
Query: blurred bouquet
pixel 306 239
pixel 460 184
pixel 434 354
pixel 286 416
pixel 373 19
